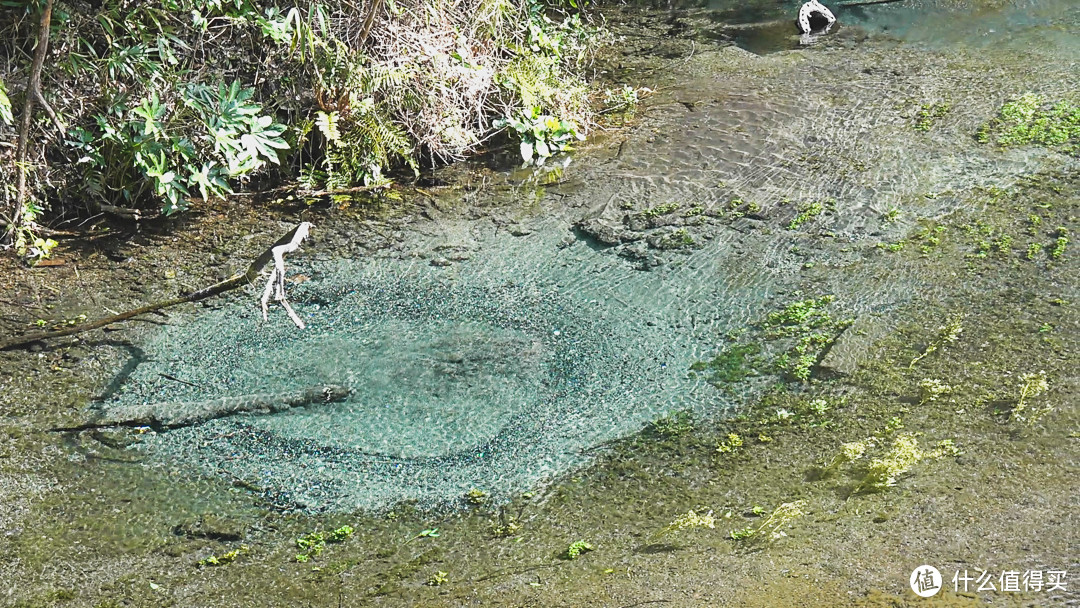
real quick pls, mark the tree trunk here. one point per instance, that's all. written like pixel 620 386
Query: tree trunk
pixel 33 93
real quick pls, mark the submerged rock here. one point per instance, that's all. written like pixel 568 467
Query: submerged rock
pixel 211 527
pixel 600 231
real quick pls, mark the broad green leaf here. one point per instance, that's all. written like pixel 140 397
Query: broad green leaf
pixel 5 105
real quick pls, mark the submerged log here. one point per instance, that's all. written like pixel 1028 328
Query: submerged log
pixel 169 415
pixel 275 253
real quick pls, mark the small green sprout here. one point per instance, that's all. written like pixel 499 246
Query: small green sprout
pixel 657 211
pixel 807 212
pixel 677 239
pixel 1060 243
pixel 931 390
pixel 892 215
pixel 731 443
pixel 477 497
pixel 1004 243
pixel 341 534
pixel 1034 222
pixel 947 334
pixel 1034 250
pixel 577 548
pixel 311 544
pixel 437 579
pixel 225 558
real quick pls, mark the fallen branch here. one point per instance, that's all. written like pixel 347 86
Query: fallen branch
pixel 354 189
pixel 868 3
pixel 167 415
pixel 276 282
pixel 286 244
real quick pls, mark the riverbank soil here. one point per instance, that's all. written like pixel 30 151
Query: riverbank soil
pixel 941 430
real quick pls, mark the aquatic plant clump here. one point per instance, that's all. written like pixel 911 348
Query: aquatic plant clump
pixel 884 472
pixel 691 519
pixel 772 529
pixel 813 329
pixel 946 334
pixel 577 548
pixel 1032 385
pixel 1030 119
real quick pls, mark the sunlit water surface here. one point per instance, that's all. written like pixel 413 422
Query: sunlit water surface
pixel 502 370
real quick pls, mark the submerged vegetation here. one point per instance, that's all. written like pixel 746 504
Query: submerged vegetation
pixel 312 543
pixel 1030 119
pixel 772 529
pixel 1031 386
pixel 946 334
pixel 803 330
pixel 576 549
pixel 690 520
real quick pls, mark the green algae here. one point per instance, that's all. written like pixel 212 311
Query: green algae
pixel 733 364
pixel 1031 119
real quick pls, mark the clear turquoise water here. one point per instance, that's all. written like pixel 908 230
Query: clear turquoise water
pixel 503 370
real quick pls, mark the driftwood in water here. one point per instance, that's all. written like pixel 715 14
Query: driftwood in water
pixel 286 244
pixel 163 416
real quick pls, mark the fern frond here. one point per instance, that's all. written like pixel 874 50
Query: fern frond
pixel 328 126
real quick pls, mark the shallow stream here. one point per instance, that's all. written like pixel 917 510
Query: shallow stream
pixel 497 354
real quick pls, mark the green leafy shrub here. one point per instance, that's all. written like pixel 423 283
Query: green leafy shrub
pixel 197 139
pixel 542 135
pixel 153 123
